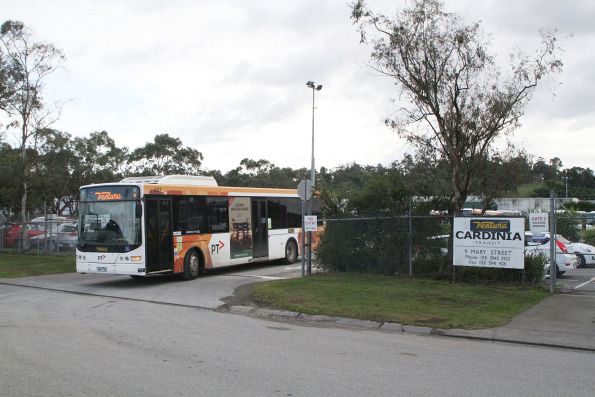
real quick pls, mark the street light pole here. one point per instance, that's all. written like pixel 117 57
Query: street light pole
pixel 565 178
pixel 315 88
pixel 313 167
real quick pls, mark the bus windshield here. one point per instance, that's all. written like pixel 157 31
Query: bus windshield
pixel 114 223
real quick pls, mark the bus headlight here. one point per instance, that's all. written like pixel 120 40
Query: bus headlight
pixel 136 258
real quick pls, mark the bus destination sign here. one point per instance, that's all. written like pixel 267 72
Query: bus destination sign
pixel 106 196
pixel 109 193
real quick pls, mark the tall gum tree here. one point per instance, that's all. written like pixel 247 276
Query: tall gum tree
pixel 166 155
pixel 26 66
pixel 455 100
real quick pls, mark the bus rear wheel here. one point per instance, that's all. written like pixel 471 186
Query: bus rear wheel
pixel 191 265
pixel 290 252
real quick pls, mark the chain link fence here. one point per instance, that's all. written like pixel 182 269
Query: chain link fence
pixel 422 246
pixel 389 245
pixel 416 246
pixel 41 236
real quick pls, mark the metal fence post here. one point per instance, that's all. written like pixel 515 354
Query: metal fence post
pixel 303 240
pixel 410 242
pixel 57 241
pixel 553 264
pixel 451 248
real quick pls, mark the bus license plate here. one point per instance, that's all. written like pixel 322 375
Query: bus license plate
pixel 102 268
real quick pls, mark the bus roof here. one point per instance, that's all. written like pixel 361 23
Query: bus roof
pixel 195 185
pixel 193 180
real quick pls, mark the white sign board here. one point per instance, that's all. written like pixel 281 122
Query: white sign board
pixel 310 223
pixel 489 242
pixel 539 222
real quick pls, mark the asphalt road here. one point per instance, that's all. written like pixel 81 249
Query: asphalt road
pixel 578 281
pixel 64 344
pixel 207 291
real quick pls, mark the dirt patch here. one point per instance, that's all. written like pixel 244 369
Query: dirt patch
pixel 242 296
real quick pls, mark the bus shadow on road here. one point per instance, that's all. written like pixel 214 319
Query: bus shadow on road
pixel 132 282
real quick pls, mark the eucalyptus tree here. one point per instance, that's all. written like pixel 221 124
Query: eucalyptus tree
pixel 263 173
pixel 99 159
pixel 26 67
pixel 452 96
pixel 165 155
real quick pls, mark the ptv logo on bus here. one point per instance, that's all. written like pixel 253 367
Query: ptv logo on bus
pixel 216 247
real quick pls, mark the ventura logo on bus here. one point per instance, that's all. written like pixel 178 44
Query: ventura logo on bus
pixel 490 225
pixel 105 196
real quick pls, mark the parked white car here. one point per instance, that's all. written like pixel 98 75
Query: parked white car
pixel 584 252
pixel 564 260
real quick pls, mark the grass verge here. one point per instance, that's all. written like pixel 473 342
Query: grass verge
pixel 34 265
pixel 432 303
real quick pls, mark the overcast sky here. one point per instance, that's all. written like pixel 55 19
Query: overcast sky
pixel 228 76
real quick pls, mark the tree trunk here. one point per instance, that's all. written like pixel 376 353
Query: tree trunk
pixel 25 243
pixel 458 199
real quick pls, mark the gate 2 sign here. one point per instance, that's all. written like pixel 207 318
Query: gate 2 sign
pixel 483 242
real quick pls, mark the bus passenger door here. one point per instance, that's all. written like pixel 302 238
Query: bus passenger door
pixel 260 230
pixel 159 234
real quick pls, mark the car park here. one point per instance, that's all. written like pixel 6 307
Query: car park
pixel 565 260
pixel 584 252
pixel 10 233
pixel 63 237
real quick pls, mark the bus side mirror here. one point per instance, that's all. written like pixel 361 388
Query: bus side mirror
pixel 138 209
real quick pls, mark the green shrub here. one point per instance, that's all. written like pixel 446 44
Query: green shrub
pixel 376 245
pixel 589 237
pixel 566 226
pixel 534 272
pixel 371 245
pixel 535 268
pixel 429 264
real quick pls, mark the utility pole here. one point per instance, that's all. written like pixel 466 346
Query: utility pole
pixel 314 87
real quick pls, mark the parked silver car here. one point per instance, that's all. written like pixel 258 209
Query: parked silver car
pixel 64 237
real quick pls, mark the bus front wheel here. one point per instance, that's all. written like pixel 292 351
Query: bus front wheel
pixel 191 265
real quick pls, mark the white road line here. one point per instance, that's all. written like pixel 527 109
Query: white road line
pixel 585 283
pixel 579 296
pixel 264 277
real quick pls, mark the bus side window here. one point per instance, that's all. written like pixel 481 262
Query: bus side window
pixel 217 214
pixel 294 212
pixel 189 214
pixel 277 211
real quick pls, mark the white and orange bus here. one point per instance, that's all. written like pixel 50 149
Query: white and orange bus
pixel 183 224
